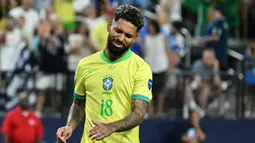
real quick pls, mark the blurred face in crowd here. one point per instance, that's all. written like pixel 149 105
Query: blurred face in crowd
pixel 21 21
pixel 27 3
pixel 24 103
pixel 90 12
pixel 83 29
pixel 122 34
pixel 209 58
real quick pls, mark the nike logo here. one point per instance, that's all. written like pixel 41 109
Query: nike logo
pixel 91 71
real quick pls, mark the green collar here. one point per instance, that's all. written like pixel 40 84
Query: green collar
pixel 123 58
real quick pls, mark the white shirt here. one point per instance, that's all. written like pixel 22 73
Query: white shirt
pixel 93 22
pixel 8 51
pixel 74 58
pixel 155 53
pixel 31 19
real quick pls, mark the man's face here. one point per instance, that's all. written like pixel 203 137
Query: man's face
pixel 24 103
pixel 208 58
pixel 28 3
pixel 121 35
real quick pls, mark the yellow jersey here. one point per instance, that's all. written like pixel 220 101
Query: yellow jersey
pixel 109 88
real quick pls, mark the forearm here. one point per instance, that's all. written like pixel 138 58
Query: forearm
pixel 6 139
pixel 129 122
pixel 134 119
pixel 76 113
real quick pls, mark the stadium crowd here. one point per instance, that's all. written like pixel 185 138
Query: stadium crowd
pixel 42 42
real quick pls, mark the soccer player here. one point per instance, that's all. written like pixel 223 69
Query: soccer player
pixel 112 87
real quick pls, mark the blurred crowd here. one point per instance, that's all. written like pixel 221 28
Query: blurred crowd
pixel 42 42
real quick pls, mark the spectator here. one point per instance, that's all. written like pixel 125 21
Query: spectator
pixel 30 15
pixel 10 38
pixel 3 13
pixel 80 46
pixel 192 131
pixel 41 6
pixel 79 5
pixel 155 51
pixel 51 47
pixel 250 78
pixel 100 32
pixel 216 35
pixel 206 83
pixel 21 125
pixel 91 17
pixel 176 44
pixel 66 14
pixel 172 8
pixel 22 77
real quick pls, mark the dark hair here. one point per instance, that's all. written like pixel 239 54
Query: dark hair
pixel 131 14
pixel 155 25
pixel 208 49
pixel 178 25
pixel 218 8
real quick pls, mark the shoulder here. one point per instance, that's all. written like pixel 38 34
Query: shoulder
pixel 89 59
pixel 140 63
pixel 12 113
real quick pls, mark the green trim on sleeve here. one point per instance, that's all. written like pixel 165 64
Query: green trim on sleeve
pixel 141 97
pixel 77 96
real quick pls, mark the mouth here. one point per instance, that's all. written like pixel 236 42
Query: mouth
pixel 118 44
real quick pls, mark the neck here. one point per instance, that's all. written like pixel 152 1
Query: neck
pixel 110 56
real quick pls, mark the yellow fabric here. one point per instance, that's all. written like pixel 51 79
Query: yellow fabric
pixel 3 23
pixel 109 88
pixel 64 10
pixel 100 34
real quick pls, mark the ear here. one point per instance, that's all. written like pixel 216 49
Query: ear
pixel 109 25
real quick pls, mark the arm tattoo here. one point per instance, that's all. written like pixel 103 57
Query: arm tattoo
pixel 139 108
pixel 76 113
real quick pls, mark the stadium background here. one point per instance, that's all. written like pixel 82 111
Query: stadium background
pixel 234 127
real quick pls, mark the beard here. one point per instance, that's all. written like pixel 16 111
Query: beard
pixel 116 51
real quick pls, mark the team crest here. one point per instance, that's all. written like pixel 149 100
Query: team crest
pixel 107 83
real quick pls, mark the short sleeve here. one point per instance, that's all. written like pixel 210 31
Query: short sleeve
pixel 39 129
pixel 79 86
pixel 6 126
pixel 143 84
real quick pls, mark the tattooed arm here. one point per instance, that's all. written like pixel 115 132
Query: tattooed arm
pixel 76 113
pixel 103 130
pixel 139 108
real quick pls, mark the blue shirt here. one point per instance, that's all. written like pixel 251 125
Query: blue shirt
pixel 220 28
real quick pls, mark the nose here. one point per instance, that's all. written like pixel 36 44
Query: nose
pixel 121 37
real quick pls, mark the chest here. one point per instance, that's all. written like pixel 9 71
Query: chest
pixel 109 79
pixel 22 122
